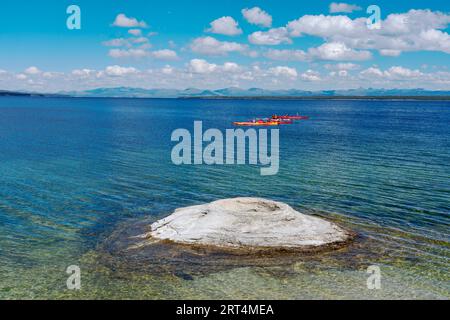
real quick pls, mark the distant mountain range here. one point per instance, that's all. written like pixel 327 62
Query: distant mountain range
pixel 253 93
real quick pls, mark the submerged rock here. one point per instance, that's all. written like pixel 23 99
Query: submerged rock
pixel 246 224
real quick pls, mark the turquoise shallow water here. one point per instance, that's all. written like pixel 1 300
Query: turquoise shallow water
pixel 73 170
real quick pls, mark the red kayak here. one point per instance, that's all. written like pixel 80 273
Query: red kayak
pixel 287 117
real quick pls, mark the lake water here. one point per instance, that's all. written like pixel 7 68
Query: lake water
pixel 73 170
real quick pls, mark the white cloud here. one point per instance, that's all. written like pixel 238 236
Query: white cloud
pixel 230 67
pixel 415 30
pixel 257 16
pixel 135 32
pixel 139 40
pixel 338 51
pixel 342 66
pixel 128 53
pixel 340 73
pixel 343 7
pixel 414 20
pixel 333 51
pixel 398 72
pixel 201 66
pixel 144 46
pixel 325 26
pixel 123 21
pixel 118 42
pixel 284 71
pixel 167 70
pixel 32 71
pixel 394 73
pixel 286 55
pixel 311 75
pixel 272 37
pixel 251 53
pixel 211 46
pixel 118 71
pixel 434 40
pixel 83 72
pixel 226 26
pixel 371 72
pixel 390 52
pixel 51 75
pixel 128 42
pixel 206 75
pixel 165 54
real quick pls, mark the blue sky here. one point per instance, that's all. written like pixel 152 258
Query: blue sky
pixel 276 44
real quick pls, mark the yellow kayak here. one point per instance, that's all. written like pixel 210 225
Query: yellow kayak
pixel 257 123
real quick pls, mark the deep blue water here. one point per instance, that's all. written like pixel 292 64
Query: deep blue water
pixel 71 169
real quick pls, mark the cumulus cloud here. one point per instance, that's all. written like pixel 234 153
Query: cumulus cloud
pixel 393 73
pixel 333 51
pixel 139 40
pixel 338 51
pixel 414 20
pixel 51 75
pixel 123 21
pixel 226 26
pixel 371 72
pixel 390 52
pixel 286 55
pixel 118 42
pixel 135 32
pixel 212 46
pixel 311 75
pixel 118 71
pixel 230 67
pixel 203 74
pixel 83 72
pixel 32 71
pixel 201 66
pixel 128 42
pixel 257 16
pixel 342 66
pixel 325 26
pixel 167 70
pixel 251 53
pixel 415 30
pixel 165 54
pixel 398 72
pixel 343 7
pixel 128 53
pixel 340 74
pixel 272 37
pixel 284 71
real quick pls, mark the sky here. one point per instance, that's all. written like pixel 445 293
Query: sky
pixel 178 44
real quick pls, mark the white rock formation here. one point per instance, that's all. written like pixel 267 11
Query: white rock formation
pixel 247 223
